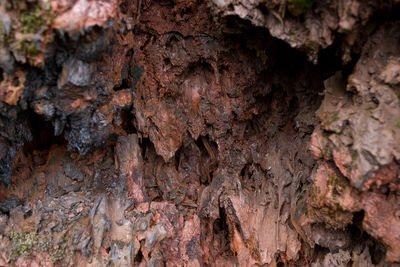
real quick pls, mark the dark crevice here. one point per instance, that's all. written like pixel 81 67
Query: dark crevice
pixel 127 74
pixel 43 133
pixel 329 59
pixel 377 252
pixel 355 229
pixel 221 235
pixel 138 258
pixel 177 158
pixel 127 118
pixel 209 150
pixel 124 85
pixel 263 9
pixel 319 252
pixel 145 144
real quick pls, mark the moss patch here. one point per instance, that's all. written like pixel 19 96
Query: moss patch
pixel 353 156
pixel 298 7
pixel 335 117
pixel 32 20
pixel 28 48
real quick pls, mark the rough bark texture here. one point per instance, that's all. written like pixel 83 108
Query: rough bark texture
pixel 199 133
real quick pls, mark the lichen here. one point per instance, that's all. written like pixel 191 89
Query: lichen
pixel 45 245
pixel 58 255
pixel 59 252
pixel 23 244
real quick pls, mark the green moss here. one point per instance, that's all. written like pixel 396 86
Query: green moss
pixel 354 156
pixel 27 48
pixel 315 192
pixel 398 124
pixel 3 33
pixel 298 7
pixel 338 184
pixel 32 20
pixel 22 244
pixel 32 50
pixel 332 180
pixel 348 11
pixel 311 44
pixel 335 117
